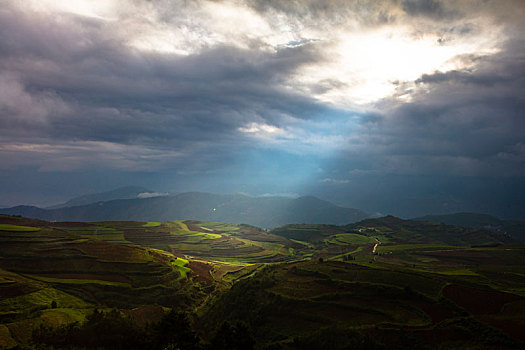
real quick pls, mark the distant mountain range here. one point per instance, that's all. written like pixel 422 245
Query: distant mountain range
pixel 127 192
pixel 266 212
pixel 139 203
pixel 516 229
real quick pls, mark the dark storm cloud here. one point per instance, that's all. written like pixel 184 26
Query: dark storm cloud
pixel 75 93
pixel 68 81
pixel 328 13
pixel 428 8
pixel 461 122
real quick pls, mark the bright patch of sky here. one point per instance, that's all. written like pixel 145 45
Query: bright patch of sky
pixel 250 90
pixel 364 67
pixel 360 65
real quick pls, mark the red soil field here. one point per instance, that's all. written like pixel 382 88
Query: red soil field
pixel 146 314
pixel 512 327
pixel 436 312
pixel 478 302
pixel 219 271
pixel 89 276
pixel 111 252
pixel 200 271
pixel 473 256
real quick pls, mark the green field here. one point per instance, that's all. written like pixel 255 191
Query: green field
pixel 151 224
pixel 180 265
pixel 77 281
pixel 218 226
pixel 350 238
pixel 17 228
pixel 289 288
pixel 386 248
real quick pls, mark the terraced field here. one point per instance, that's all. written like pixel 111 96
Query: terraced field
pixel 382 281
pixel 382 301
pixel 213 241
pixel 59 273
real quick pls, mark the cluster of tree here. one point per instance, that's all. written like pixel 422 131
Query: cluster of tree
pixel 113 330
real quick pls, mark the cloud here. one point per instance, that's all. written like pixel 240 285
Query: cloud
pixel 74 79
pixel 263 89
pixel 81 155
pixel 23 110
pixel 334 181
pixel 260 129
pixel 152 194
pixel 459 122
pixel 429 8
pixel 281 194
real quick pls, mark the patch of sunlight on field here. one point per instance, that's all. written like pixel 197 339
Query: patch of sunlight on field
pixel 218 226
pixel 300 242
pixel 180 265
pixel 180 262
pixel 151 224
pixel 202 235
pixel 17 228
pixel 177 226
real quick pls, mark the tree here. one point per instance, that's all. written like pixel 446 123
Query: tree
pixel 175 330
pixel 232 337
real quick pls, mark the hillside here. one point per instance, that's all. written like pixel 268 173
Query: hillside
pixel 390 229
pixel 53 274
pixel 516 229
pixel 464 219
pixel 384 283
pixel 57 273
pixel 258 211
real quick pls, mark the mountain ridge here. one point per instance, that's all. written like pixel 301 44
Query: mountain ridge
pixel 125 192
pixel 237 208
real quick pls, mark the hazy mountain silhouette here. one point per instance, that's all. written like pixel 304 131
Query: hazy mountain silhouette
pixel 258 211
pixel 126 192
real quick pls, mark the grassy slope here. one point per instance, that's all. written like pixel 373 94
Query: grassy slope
pixel 292 301
pixel 68 265
pixel 419 281
pixel 17 228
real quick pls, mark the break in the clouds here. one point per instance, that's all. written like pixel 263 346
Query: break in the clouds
pixel 262 89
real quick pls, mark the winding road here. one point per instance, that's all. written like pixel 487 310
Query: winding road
pixel 375 245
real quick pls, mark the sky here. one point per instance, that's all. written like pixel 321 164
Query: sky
pixel 403 107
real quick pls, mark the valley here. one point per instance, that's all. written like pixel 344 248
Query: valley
pixel 377 283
